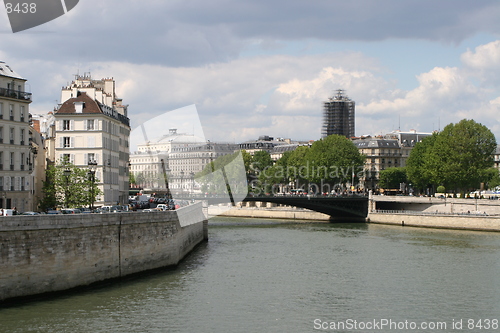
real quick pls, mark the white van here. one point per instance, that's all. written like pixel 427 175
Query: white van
pixel 7 212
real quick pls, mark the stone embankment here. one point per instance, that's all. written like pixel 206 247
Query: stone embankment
pixel 49 253
pixel 449 213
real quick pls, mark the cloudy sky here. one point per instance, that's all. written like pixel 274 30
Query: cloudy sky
pixel 264 67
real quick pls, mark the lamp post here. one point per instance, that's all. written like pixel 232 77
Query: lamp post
pixel 191 176
pixel 67 173
pixel 182 181
pixel 92 168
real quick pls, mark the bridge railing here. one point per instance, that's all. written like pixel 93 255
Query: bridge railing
pixel 417 212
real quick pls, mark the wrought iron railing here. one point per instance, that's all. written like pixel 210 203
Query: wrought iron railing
pixel 22 95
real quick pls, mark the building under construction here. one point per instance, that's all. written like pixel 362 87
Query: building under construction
pixel 338 116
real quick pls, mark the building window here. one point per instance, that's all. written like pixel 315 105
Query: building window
pixel 22 136
pixel 11 135
pixel 22 183
pixel 66 142
pixel 91 158
pixel 11 111
pixel 1 110
pixel 22 161
pixel 90 125
pixel 11 161
pixel 22 113
pixel 66 158
pixel 1 160
pixel 1 183
pixel 12 183
pixel 1 134
pixel 66 125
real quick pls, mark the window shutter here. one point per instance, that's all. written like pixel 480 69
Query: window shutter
pixel 61 142
pixel 72 142
pixel 71 125
pixel 72 158
pixel 86 159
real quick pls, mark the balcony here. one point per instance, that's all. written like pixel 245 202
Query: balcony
pixel 24 96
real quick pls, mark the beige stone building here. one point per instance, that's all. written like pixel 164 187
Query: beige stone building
pixel 92 131
pixel 17 153
pixel 183 155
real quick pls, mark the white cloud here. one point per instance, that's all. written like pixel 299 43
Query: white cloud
pixel 282 96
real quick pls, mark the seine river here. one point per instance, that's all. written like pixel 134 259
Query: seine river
pixel 257 275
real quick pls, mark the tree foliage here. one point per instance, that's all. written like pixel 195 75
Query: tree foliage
pixel 71 189
pixel 333 159
pixel 457 158
pixel 417 169
pixel 391 178
pixel 224 175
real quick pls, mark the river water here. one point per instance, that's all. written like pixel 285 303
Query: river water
pixel 259 275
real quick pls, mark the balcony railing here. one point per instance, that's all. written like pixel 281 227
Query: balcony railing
pixel 25 96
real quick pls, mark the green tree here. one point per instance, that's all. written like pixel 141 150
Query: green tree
pixel 69 186
pixel 222 176
pixel 458 158
pixel 131 179
pixel 334 160
pixel 417 170
pixel 294 163
pixel 493 178
pixel 391 178
pixel 49 200
pixel 260 161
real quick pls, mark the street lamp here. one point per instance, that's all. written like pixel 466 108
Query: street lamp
pixel 92 168
pixel 191 176
pixel 182 180
pixel 67 173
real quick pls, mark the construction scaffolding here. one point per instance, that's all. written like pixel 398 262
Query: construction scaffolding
pixel 338 115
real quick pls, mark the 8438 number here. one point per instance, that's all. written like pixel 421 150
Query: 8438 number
pixel 21 8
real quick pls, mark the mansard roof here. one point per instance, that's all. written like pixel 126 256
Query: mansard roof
pixel 89 105
pixel 5 70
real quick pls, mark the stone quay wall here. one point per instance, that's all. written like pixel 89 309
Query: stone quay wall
pixel 471 222
pixel 48 253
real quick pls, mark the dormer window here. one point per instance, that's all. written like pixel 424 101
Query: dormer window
pixel 79 107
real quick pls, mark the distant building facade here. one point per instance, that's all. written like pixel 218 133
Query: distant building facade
pixel 175 155
pixel 264 142
pixel 391 150
pixel 92 128
pixel 338 116
pixel 17 147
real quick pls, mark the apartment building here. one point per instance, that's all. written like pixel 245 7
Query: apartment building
pixel 92 131
pixel 16 152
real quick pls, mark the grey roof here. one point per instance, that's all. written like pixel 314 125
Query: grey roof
pixel 376 143
pixel 6 70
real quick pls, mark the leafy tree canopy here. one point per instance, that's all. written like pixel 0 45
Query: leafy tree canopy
pixel 391 178
pixel 457 158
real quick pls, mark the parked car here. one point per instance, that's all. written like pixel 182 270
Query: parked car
pixel 30 213
pixel 70 211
